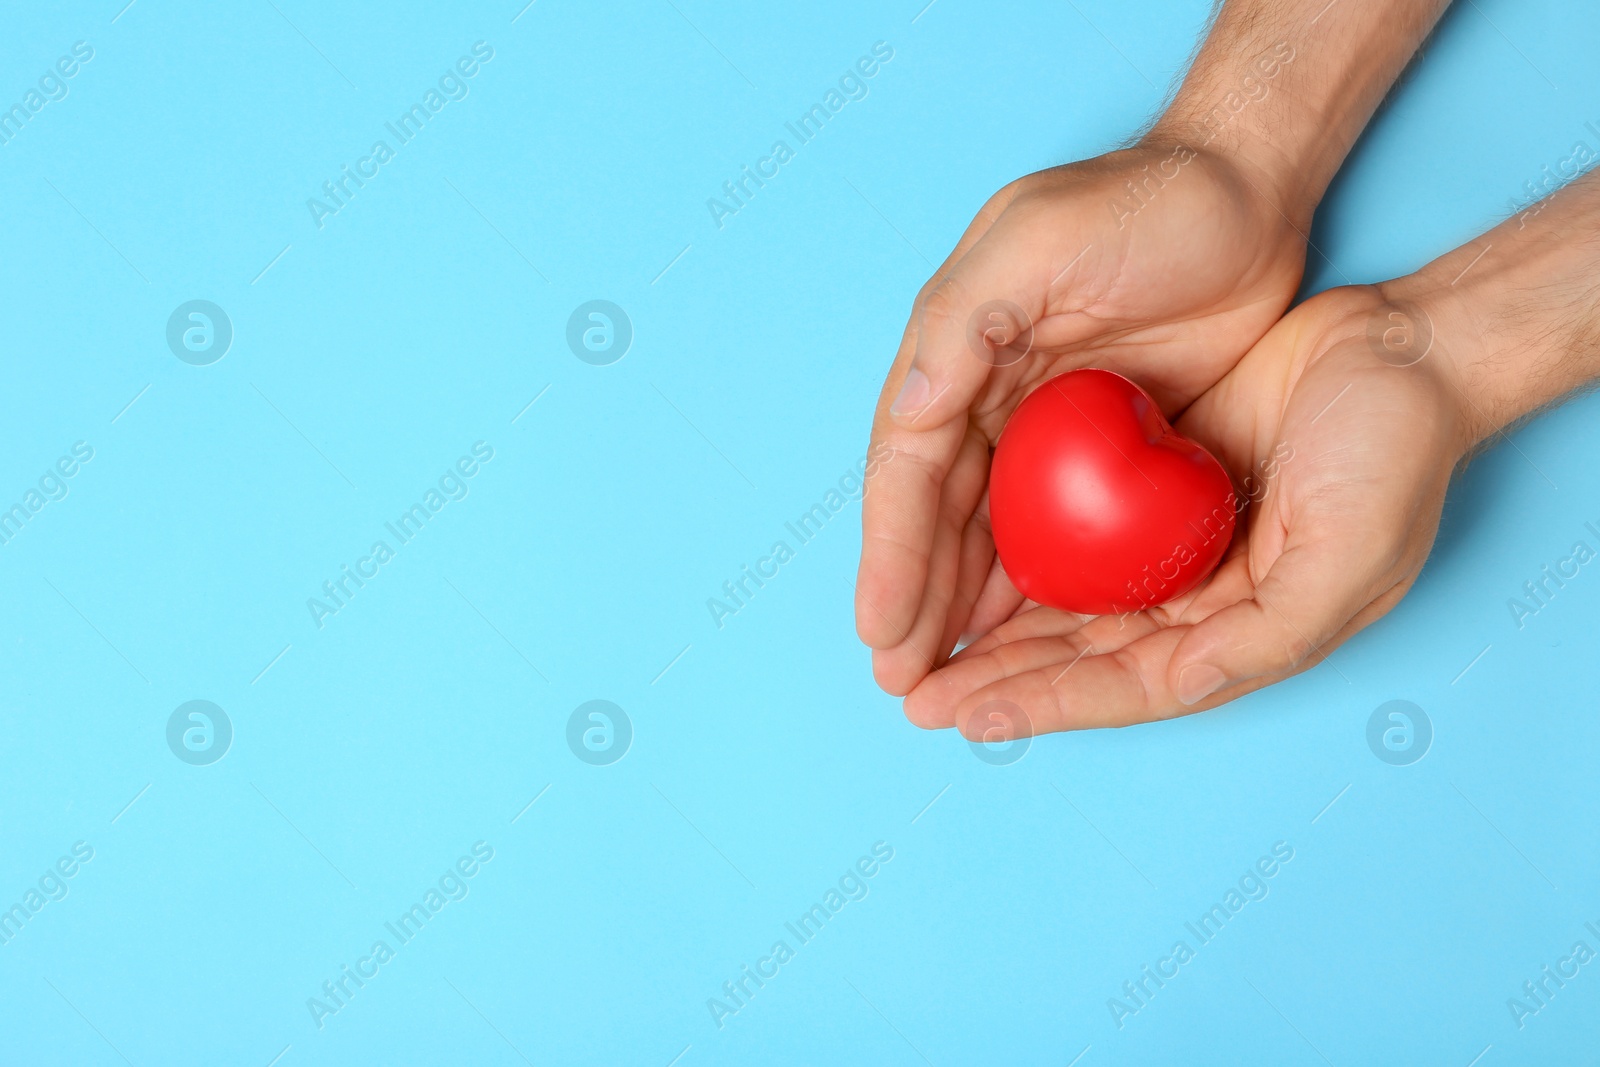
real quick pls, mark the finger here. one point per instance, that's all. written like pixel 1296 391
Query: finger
pixel 1041 622
pixel 975 231
pixel 922 414
pixel 1024 607
pixel 1225 586
pixel 900 510
pixel 977 564
pixel 1105 633
pixel 1311 591
pixel 997 602
pixel 995 598
pixel 982 313
pixel 1024 646
pixel 933 703
pixel 900 666
pixel 905 481
pixel 1117 688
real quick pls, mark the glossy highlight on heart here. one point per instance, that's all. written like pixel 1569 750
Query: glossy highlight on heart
pixel 1098 505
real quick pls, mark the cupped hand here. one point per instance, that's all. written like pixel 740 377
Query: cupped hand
pixel 1345 455
pixel 1163 262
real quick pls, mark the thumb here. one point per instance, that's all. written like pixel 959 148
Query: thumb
pixel 980 317
pixel 1308 595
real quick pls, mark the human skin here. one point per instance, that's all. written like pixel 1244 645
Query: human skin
pixel 1346 522
pixel 1166 262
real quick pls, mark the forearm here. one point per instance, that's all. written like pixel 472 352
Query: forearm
pixel 1515 315
pixel 1286 86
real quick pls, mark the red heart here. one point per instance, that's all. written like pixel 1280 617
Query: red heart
pixel 1098 505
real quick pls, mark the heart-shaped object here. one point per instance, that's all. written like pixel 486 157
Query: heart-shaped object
pixel 1098 505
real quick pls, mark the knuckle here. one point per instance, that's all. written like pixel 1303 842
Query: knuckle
pixel 891 548
pixel 939 305
pixel 1132 669
pixel 950 300
pixel 981 647
pixel 1009 191
pixel 925 475
pixel 1030 203
pixel 1007 195
pixel 1294 648
pixel 1011 659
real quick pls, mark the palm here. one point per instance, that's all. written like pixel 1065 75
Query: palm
pixel 1345 458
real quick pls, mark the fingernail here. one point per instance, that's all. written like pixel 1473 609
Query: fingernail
pixel 913 394
pixel 1198 682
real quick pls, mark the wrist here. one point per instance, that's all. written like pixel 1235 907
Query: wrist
pixel 1227 113
pixel 1285 88
pixel 1514 316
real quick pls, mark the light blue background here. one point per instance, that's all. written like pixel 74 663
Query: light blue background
pixel 427 714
